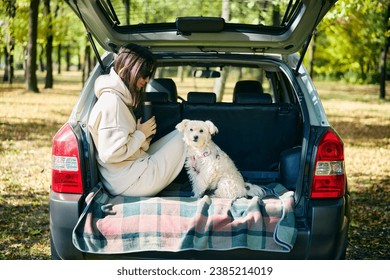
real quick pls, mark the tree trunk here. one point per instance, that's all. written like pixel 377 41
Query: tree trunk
pixel 382 82
pixel 276 15
pixel 6 66
pixel 126 3
pixel 49 46
pixel 219 84
pixel 67 55
pixel 31 75
pixel 180 73
pixel 11 61
pixel 146 4
pixel 362 69
pixel 86 64
pixel 9 55
pixel 382 91
pixel 226 10
pixel 59 59
pixel 79 64
pixel 40 59
pixel 312 55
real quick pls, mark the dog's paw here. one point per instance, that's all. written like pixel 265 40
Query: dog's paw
pixel 255 190
pixel 197 194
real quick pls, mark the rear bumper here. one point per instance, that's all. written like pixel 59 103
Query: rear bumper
pixel 64 214
pixel 329 228
pixel 323 237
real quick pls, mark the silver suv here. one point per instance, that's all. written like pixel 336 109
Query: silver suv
pixel 248 80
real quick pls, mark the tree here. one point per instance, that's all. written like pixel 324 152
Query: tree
pixel 58 28
pixel 126 3
pixel 219 84
pixel 350 39
pixel 383 60
pixel 49 45
pixel 69 34
pixel 31 75
pixel 10 11
pixel 87 65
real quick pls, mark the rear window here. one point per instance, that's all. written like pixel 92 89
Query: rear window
pixel 273 82
pixel 276 13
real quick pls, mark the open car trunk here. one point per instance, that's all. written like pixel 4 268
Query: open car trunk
pixel 262 135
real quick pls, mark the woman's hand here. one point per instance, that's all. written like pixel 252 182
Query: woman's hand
pixel 148 128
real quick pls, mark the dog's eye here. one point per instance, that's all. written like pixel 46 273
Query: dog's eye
pixel 191 129
pixel 201 131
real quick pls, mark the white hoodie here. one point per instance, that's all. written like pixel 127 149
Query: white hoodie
pixel 121 148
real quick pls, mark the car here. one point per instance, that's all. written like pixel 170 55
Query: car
pixel 249 80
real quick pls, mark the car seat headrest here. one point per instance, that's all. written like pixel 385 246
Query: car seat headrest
pixel 163 85
pixel 247 86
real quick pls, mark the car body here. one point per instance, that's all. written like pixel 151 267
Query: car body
pixel 290 142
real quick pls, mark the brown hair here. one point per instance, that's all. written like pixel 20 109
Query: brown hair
pixel 133 62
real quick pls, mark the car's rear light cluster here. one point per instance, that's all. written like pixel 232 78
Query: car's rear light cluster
pixel 329 172
pixel 66 171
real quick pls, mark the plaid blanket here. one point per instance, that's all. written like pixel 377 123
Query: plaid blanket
pixel 113 225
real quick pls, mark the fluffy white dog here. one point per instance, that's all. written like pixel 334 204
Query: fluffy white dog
pixel 208 167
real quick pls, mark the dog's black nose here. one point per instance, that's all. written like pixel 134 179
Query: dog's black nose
pixel 196 138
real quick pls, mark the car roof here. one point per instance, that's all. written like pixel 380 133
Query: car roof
pixel 181 32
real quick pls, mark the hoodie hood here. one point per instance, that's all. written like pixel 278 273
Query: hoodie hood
pixel 113 83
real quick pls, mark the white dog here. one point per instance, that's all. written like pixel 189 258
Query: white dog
pixel 208 167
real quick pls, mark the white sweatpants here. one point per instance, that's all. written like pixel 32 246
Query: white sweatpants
pixel 166 160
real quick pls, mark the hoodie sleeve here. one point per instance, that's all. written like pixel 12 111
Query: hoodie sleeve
pixel 115 146
pixel 117 137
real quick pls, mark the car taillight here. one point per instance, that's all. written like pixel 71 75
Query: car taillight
pixel 66 171
pixel 329 172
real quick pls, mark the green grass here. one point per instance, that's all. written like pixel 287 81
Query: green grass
pixel 29 121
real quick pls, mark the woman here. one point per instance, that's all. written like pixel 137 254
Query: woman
pixel 128 164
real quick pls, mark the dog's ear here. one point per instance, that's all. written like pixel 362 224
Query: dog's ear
pixel 212 128
pixel 182 125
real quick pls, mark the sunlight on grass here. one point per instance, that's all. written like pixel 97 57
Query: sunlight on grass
pixel 28 121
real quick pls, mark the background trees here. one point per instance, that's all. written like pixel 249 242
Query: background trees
pixel 59 39
pixel 31 50
pixel 351 43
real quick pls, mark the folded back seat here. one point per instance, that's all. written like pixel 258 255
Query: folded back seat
pixel 166 85
pixel 162 92
pixel 252 131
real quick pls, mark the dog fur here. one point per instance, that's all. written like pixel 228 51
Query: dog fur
pixel 209 168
